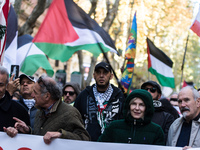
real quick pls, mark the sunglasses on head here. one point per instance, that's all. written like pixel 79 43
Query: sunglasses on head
pixel 70 93
pixel 152 90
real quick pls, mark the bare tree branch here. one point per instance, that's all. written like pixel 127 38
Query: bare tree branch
pixel 28 26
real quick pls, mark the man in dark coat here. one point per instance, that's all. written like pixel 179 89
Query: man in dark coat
pixel 8 107
pixel 100 103
pixel 160 117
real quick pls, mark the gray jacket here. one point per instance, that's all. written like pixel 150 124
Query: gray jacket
pixel 175 130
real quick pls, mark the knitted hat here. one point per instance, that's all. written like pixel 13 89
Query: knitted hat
pixel 74 85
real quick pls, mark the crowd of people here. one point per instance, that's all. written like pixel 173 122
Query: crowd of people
pixel 101 112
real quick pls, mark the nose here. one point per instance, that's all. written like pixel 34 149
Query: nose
pixel 137 107
pixel 24 83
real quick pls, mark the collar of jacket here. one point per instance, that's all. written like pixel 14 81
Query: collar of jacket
pixel 6 102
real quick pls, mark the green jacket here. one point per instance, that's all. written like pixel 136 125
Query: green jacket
pixel 131 130
pixel 63 118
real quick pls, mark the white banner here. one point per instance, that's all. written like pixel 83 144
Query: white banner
pixel 33 142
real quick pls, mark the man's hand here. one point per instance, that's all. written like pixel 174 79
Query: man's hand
pixel 12 85
pixel 21 126
pixel 50 135
pixel 12 132
pixel 186 147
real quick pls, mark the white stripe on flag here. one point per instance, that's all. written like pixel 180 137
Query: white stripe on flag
pixel 160 67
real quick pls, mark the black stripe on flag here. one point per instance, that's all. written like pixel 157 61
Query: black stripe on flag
pixel 80 19
pixel 11 27
pixel 24 39
pixel 157 53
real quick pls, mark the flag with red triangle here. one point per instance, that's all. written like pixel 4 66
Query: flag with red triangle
pixel 67 29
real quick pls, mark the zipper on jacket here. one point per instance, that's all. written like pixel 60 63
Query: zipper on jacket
pixel 133 125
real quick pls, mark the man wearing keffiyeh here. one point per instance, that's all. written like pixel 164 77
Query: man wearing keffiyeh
pixel 100 103
pixel 26 88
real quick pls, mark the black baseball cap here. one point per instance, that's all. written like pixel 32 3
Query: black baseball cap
pixel 154 84
pixel 104 65
pixel 29 77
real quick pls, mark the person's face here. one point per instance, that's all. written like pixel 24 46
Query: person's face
pixel 137 108
pixel 154 93
pixel 3 84
pixel 26 87
pixel 188 106
pixel 40 99
pixel 174 103
pixel 102 77
pixel 69 95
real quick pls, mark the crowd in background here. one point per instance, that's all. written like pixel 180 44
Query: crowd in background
pixel 101 112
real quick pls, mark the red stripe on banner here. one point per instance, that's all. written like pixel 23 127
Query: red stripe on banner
pixel 196 27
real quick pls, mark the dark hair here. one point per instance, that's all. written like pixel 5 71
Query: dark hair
pixel 47 84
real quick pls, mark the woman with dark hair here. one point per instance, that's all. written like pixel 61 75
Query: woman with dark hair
pixel 136 127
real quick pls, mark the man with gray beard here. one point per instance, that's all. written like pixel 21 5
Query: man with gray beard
pixel 185 131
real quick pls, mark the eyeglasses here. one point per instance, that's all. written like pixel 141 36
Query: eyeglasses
pixel 70 93
pixel 152 90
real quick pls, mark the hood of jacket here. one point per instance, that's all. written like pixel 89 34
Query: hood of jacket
pixel 148 101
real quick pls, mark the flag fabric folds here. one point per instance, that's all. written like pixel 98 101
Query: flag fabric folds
pixel 5 6
pixel 195 27
pixel 129 57
pixel 21 51
pixel 67 29
pixel 160 65
pixel 11 40
pixel 30 57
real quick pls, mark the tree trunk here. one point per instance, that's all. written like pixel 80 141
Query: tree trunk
pixel 28 26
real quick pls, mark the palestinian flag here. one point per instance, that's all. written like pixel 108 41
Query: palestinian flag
pixel 160 65
pixel 30 57
pixel 67 29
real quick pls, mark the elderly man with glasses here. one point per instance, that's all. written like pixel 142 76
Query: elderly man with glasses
pixel 55 119
pixel 160 117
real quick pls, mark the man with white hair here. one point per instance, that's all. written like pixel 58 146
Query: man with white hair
pixel 185 131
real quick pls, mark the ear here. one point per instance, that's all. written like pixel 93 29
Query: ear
pixel 111 76
pixel 159 96
pixel 198 102
pixel 94 75
pixel 47 96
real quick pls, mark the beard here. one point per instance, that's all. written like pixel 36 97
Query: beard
pixel 100 86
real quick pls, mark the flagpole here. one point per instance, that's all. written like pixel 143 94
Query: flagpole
pixel 25 56
pixel 182 67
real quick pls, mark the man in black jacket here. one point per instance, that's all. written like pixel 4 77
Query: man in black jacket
pixel 8 107
pixel 100 103
pixel 160 117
